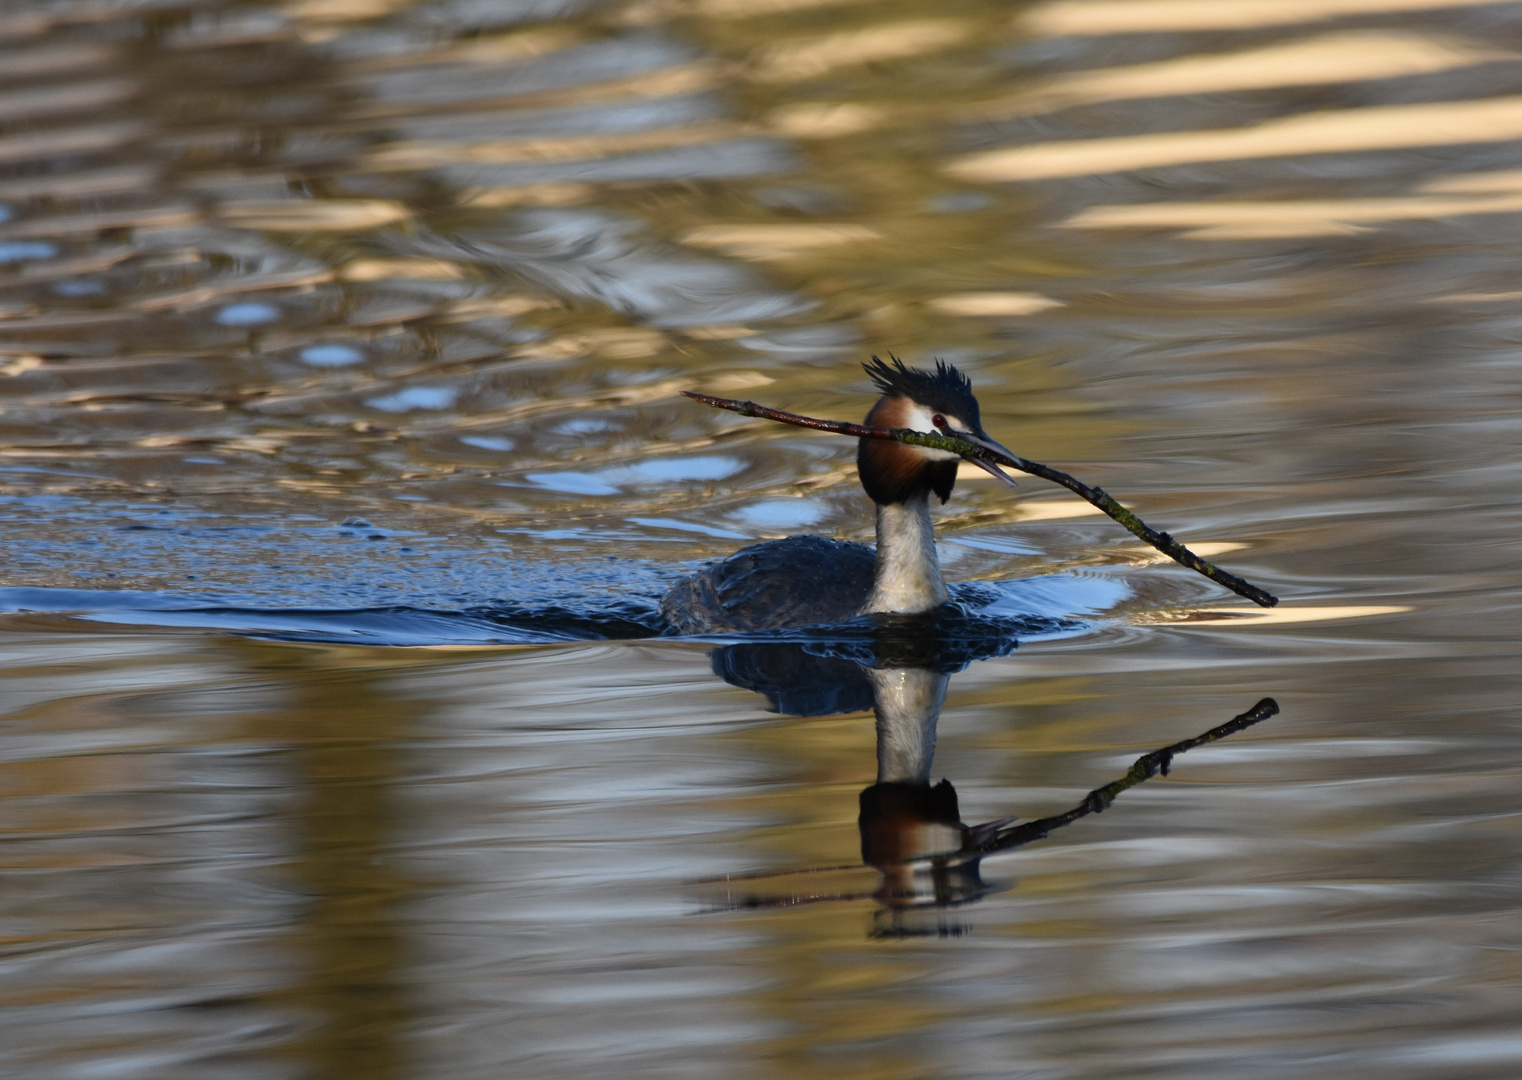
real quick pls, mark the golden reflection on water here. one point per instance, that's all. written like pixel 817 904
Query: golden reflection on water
pixel 1493 192
pixel 1350 56
pixel 1155 16
pixel 1381 128
pixel 341 737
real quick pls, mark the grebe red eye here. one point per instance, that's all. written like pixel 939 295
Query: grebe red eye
pixel 938 420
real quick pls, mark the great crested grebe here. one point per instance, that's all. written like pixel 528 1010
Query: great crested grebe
pixel 809 580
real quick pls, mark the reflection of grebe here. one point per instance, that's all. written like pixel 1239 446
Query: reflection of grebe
pixel 809 580
pixel 921 858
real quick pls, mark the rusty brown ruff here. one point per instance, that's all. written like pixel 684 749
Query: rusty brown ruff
pixel 893 472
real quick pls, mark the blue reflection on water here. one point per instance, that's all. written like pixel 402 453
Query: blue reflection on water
pixel 573 483
pixel 1052 595
pixel 80 288
pixel 781 513
pixel 688 527
pixel 582 426
pixel 415 397
pixel 331 355
pixel 488 442
pixel 644 474
pixel 19 250
pixel 247 314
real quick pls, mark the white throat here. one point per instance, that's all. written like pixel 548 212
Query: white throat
pixel 908 576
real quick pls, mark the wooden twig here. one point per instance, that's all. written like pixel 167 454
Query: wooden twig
pixel 950 443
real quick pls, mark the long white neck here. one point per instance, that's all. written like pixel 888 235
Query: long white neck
pixel 908 576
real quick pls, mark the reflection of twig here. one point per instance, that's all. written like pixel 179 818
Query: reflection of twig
pixel 950 443
pixel 1002 839
pixel 1146 767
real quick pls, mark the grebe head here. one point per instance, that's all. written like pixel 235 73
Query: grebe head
pixel 938 401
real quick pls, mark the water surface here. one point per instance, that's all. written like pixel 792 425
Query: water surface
pixel 342 460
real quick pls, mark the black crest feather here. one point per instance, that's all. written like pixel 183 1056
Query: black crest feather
pixel 946 390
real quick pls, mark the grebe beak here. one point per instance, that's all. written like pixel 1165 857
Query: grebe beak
pixel 979 439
